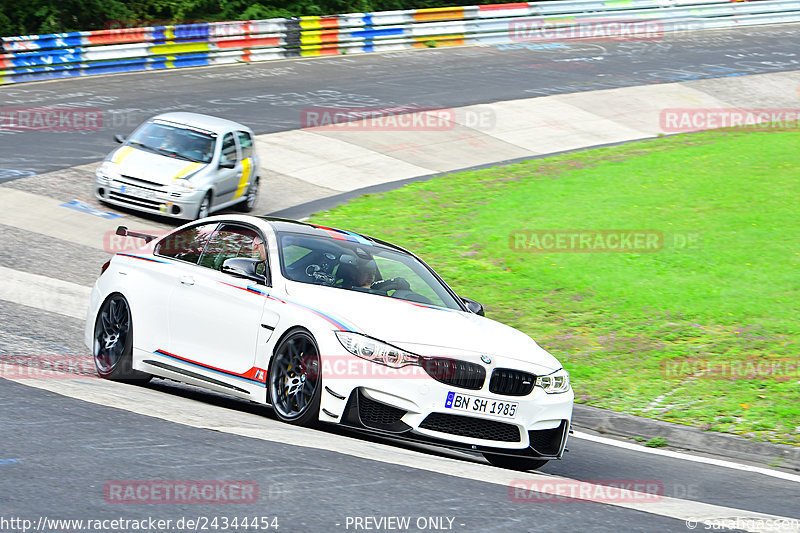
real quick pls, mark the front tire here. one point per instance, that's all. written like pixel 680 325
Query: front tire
pixel 113 342
pixel 514 463
pixel 295 384
pixel 204 209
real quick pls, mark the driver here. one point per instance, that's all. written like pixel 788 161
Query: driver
pixel 173 141
pixel 365 276
pixel 357 272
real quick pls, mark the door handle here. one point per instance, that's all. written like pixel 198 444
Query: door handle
pixel 187 280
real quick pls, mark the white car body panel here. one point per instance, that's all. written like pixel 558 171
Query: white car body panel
pixel 148 166
pixel 397 321
pixel 220 332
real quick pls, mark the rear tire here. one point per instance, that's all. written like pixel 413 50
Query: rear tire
pixel 514 463
pixel 113 342
pixel 252 197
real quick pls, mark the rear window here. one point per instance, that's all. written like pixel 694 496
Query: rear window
pixel 187 244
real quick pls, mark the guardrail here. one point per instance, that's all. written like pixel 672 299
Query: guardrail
pixel 64 55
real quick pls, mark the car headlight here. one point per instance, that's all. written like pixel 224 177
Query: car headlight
pixel 554 383
pixel 182 185
pixel 375 350
pixel 108 171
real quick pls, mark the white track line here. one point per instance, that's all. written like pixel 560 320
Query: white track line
pixel 687 457
pixel 47 294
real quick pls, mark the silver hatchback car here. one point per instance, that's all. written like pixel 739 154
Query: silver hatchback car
pixel 182 165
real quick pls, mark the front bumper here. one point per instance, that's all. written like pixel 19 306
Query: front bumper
pixel 149 199
pixel 412 406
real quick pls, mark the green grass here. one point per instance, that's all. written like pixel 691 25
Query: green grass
pixel 635 330
pixel 656 442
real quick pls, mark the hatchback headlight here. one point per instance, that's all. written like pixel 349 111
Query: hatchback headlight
pixel 183 185
pixel 108 171
pixel 375 350
pixel 554 383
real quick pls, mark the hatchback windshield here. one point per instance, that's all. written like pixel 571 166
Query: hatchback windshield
pixel 174 141
pixel 361 267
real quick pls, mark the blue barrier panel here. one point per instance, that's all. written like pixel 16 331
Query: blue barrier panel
pixel 183 60
pixel 372 33
pixel 46 75
pixel 41 42
pixel 192 32
pixel 51 57
pixel 115 67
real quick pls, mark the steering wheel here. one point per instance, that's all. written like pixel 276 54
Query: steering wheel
pixel 317 273
pixel 312 269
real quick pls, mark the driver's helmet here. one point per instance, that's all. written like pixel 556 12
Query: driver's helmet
pixel 357 270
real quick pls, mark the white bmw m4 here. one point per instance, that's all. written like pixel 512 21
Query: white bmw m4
pixel 327 325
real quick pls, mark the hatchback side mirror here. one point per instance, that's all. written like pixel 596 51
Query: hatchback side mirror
pixel 244 267
pixel 229 163
pixel 473 306
pixel 119 138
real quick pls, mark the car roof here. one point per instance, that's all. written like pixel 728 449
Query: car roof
pixel 285 225
pixel 205 122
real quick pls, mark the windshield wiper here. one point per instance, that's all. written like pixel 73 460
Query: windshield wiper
pixel 176 154
pixel 142 145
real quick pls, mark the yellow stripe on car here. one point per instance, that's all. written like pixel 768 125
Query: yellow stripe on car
pixel 243 181
pixel 188 169
pixel 121 154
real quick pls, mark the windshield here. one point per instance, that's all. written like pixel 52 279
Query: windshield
pixel 361 267
pixel 174 141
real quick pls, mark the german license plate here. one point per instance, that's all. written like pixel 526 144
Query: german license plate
pixel 478 405
pixel 138 192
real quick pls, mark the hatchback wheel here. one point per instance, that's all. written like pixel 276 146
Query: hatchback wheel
pixel 252 196
pixel 205 206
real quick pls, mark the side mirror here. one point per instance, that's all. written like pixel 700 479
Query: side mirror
pixel 244 267
pixel 227 164
pixel 473 306
pixel 119 138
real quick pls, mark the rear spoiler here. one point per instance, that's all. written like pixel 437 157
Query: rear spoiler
pixel 123 231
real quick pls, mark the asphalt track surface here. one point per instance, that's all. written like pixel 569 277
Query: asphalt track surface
pixel 57 453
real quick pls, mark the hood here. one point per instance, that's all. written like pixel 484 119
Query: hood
pixel 423 330
pixel 149 166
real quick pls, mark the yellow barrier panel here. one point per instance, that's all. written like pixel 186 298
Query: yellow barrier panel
pixel 179 48
pixel 320 50
pixel 439 40
pixel 439 13
pixel 319 23
pixel 319 36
